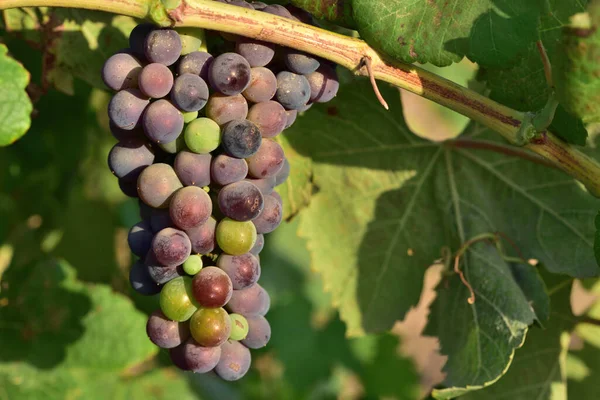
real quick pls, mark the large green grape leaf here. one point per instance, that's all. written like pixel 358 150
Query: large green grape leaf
pixel 490 32
pixel 387 203
pixel 537 370
pixel 578 65
pixel 15 106
pixel 75 42
pixel 523 86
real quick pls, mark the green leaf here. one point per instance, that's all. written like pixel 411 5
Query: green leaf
pixel 597 238
pixel 578 63
pixel 77 46
pixel 479 339
pixel 538 370
pixel 52 318
pixel 523 86
pixel 298 189
pixel 61 338
pixel 534 288
pixel 337 11
pixel 387 203
pixel 583 382
pixel 442 32
pixel 15 106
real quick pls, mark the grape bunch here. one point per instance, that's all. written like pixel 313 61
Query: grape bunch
pixel 197 145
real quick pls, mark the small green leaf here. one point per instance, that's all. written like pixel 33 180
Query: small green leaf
pixel 442 32
pixel 15 106
pixel 531 283
pixel 479 339
pixel 568 127
pixel 538 370
pixel 579 65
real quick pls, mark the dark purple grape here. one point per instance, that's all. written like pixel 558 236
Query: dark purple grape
pixel 203 237
pixel 256 52
pixel 267 161
pixel 128 159
pixel 283 173
pixel 126 108
pixel 162 122
pixel 262 87
pixel 140 238
pixel 190 207
pixel 241 201
pixel 223 109
pixel 291 118
pixel 201 359
pixel 129 188
pixel 160 219
pixel 240 138
pixel 123 135
pixel 323 84
pixel 229 74
pixel 259 332
pixel 165 333
pixel 258 246
pixel 265 185
pixel 171 247
pixel 193 169
pixel 293 91
pixel 269 116
pixel 276 9
pixel 244 270
pixel 121 71
pixel 178 359
pixel 212 287
pixel 251 301
pixel 141 281
pixel 162 46
pixel 270 217
pixel 190 92
pixel 301 63
pixel 197 63
pixel 235 361
pixel 145 211
pixel 137 38
pixel 157 184
pixel 156 80
pixel 225 170
pixel 159 273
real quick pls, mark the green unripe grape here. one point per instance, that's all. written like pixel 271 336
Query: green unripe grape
pixel 210 327
pixel 202 135
pixel 189 117
pixel 176 299
pixel 239 327
pixel 193 264
pixel 175 146
pixel 192 39
pixel 235 237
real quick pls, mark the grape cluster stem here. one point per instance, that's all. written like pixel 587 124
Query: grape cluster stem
pixel 350 52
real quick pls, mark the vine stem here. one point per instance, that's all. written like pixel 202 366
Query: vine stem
pixel 349 53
